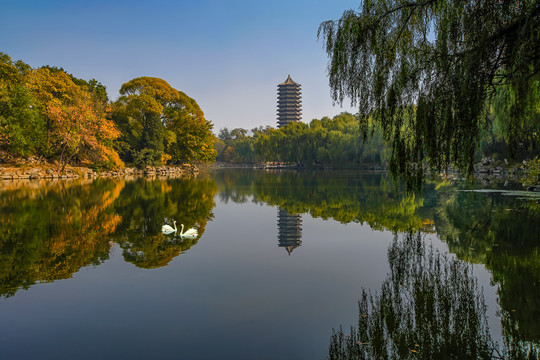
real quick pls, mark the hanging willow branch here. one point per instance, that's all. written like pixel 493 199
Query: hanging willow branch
pixel 424 71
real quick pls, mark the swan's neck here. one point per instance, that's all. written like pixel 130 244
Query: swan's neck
pixel 175 226
pixel 182 230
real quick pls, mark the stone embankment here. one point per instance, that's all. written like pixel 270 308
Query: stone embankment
pixel 49 172
pixel 500 169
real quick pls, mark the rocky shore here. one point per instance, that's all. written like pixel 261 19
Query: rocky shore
pixel 45 171
pixel 487 171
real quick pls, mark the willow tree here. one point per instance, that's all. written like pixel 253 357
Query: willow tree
pixel 425 69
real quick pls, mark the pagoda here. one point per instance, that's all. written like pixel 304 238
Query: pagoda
pixel 289 103
pixel 289 230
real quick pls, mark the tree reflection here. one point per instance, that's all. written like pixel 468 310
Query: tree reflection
pixel 499 231
pixel 346 197
pixel 52 229
pixel 51 233
pixel 504 235
pixel 429 307
pixel 145 205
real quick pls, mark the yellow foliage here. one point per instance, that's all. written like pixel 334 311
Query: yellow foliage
pixel 77 121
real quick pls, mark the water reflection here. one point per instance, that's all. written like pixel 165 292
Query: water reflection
pixel 52 229
pixel 504 235
pixel 147 205
pixel 343 196
pixel 289 230
pixel 51 233
pixel 501 232
pixel 429 307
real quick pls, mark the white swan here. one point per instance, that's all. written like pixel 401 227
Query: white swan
pixel 190 233
pixel 167 229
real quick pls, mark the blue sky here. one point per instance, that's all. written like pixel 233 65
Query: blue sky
pixel 227 55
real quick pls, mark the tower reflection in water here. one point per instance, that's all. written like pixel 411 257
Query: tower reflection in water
pixel 289 230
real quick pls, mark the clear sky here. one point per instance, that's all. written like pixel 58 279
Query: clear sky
pixel 227 55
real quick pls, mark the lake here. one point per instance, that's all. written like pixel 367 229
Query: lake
pixel 281 261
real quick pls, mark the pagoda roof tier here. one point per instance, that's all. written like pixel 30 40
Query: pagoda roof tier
pixel 289 88
pixel 285 116
pixel 289 95
pixel 289 81
pixel 295 110
pixel 289 98
pixel 283 123
pixel 284 107
pixel 290 103
pixel 289 85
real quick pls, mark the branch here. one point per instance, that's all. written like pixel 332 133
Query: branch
pixel 406 5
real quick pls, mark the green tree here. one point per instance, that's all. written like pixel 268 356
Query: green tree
pixel 191 134
pixel 161 123
pixel 238 146
pixel 423 70
pixel 21 126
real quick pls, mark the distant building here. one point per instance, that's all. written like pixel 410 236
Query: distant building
pixel 289 230
pixel 289 103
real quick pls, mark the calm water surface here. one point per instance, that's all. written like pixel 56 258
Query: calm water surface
pixel 280 261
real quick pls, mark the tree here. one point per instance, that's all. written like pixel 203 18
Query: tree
pixel 424 69
pixel 192 133
pixel 76 124
pixel 21 127
pixel 161 123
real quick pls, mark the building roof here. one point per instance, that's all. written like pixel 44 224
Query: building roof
pixel 289 81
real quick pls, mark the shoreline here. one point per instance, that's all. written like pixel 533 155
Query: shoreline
pixel 46 171
pixel 50 172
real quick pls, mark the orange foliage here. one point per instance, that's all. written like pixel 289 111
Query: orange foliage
pixel 77 122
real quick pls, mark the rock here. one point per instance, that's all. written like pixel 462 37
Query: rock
pixel 48 171
pixel 483 170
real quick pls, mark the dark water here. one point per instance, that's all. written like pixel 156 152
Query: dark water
pixel 281 260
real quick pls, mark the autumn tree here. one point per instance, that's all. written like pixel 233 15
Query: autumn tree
pixel 424 70
pixel 76 121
